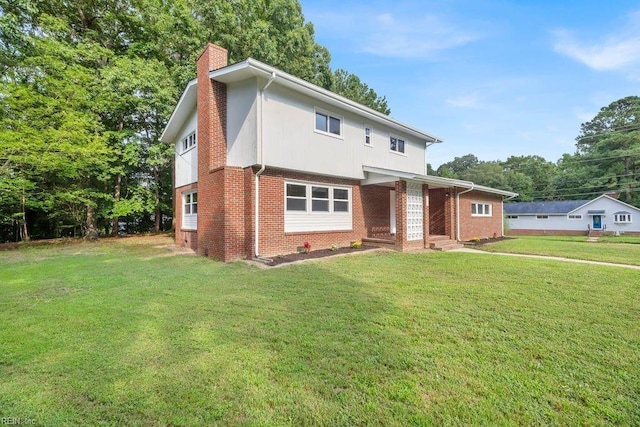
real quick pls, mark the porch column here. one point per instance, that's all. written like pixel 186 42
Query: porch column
pixel 450 213
pixel 401 214
pixel 425 214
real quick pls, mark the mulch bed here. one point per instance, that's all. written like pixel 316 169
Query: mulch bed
pixel 485 241
pixel 322 253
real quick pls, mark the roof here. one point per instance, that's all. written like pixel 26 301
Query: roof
pixel 252 68
pixel 558 207
pixel 433 181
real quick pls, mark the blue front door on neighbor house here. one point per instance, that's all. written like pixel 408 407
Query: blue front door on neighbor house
pixel 597 222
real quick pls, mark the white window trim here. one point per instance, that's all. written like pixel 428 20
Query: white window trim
pixel 309 198
pixel 574 217
pixel 483 214
pixel 329 114
pixel 190 141
pixel 400 153
pixel 185 215
pixel 370 144
pixel 628 219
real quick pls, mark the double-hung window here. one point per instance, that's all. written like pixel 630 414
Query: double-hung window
pixel 480 209
pixel 367 136
pixel 317 207
pixel 188 142
pixel 396 144
pixel 622 217
pixel 190 210
pixel 328 123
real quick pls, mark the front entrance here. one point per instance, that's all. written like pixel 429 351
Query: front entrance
pixel 437 219
pixel 597 222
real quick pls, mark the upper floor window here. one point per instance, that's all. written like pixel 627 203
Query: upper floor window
pixel 480 209
pixel 367 135
pixel 328 123
pixel 623 217
pixel 188 142
pixel 396 144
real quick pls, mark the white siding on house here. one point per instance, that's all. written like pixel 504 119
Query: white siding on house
pixel 186 162
pixel 291 141
pixel 190 222
pixel 242 123
pixel 554 222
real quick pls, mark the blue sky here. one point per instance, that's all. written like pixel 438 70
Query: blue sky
pixel 492 78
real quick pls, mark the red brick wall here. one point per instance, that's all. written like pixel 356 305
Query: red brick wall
pixel 184 238
pixel 479 226
pixel 376 211
pixel 437 200
pixel 273 239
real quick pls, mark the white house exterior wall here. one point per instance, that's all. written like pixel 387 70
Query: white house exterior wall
pixel 242 124
pixel 563 223
pixel 186 165
pixel 291 141
pixel 554 222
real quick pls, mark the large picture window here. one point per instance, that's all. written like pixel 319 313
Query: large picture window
pixel 317 207
pixel 622 217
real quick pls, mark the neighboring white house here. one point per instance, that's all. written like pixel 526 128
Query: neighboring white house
pixel 603 214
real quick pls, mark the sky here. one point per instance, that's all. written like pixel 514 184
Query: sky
pixel 490 78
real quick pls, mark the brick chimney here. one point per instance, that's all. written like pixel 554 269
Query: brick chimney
pixel 212 110
pixel 612 194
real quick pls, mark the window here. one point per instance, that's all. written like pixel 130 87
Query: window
pixel 340 200
pixel 328 123
pixel 320 199
pixel 542 216
pixel 323 197
pixel 188 142
pixel 480 209
pixel 317 207
pixel 190 210
pixel 512 216
pixel 396 144
pixel 367 135
pixel 575 216
pixel 622 217
pixel 296 197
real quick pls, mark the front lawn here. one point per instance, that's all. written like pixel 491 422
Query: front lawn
pixel 124 332
pixel 606 249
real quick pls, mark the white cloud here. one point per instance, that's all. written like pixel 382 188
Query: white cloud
pixel 618 51
pixel 410 37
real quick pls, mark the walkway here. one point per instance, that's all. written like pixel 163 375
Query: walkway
pixel 555 258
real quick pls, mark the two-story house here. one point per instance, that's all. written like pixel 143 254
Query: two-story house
pixel 265 162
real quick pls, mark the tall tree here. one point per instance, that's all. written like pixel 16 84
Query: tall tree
pixel 350 86
pixel 458 166
pixel 609 145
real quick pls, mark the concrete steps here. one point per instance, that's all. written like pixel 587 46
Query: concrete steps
pixel 443 243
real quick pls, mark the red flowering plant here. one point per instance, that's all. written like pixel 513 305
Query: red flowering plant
pixel 307 247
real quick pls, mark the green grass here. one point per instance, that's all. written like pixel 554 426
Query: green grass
pixel 575 247
pixel 621 239
pixel 121 333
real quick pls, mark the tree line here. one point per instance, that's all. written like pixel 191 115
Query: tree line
pixel 86 88
pixel 607 159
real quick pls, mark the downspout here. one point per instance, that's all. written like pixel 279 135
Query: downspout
pixel 458 210
pixel 508 198
pixel 263 166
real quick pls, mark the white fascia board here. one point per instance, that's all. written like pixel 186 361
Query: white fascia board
pixel 251 67
pixel 180 113
pixel 436 180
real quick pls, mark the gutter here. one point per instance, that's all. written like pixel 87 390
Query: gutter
pixel 263 166
pixel 458 211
